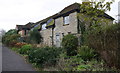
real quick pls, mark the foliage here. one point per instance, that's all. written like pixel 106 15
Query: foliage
pixel 10 37
pixel 19 44
pixel 105 40
pixel 90 12
pixel 70 43
pixel 2 32
pixel 95 8
pixel 44 56
pixel 35 36
pixel 11 31
pixel 10 40
pixel 92 65
pixel 86 53
pixel 25 49
pixel 92 7
pixel 15 49
pixel 76 63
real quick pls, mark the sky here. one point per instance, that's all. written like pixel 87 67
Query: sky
pixel 20 12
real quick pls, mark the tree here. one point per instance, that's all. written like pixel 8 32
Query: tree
pixel 35 36
pixel 11 31
pixel 2 32
pixel 91 7
pixel 95 8
pixel 70 43
pixel 10 37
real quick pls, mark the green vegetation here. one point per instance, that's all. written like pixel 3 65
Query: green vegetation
pixel 86 53
pixel 99 50
pixel 35 37
pixel 105 40
pixel 44 56
pixel 70 43
pixel 15 49
pixel 25 49
pixel 10 37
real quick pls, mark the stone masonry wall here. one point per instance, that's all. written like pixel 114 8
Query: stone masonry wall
pixel 61 29
pixel 46 34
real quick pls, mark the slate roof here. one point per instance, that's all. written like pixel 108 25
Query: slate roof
pixel 71 8
pixel 27 26
pixel 74 6
pixel 19 27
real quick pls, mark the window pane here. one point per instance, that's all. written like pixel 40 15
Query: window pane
pixel 66 20
pixel 44 26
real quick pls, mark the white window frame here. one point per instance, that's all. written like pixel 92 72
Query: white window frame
pixel 66 20
pixel 44 26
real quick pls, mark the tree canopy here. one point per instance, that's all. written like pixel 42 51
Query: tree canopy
pixel 95 7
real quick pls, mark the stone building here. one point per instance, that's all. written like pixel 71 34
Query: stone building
pixel 24 30
pixel 67 21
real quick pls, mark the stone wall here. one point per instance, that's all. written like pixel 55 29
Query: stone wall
pixel 22 32
pixel 61 29
pixel 46 34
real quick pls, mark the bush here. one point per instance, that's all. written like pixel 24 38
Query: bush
pixel 86 53
pixel 92 65
pixel 15 49
pixel 35 37
pixel 106 41
pixel 25 49
pixel 10 40
pixel 20 44
pixel 70 43
pixel 45 55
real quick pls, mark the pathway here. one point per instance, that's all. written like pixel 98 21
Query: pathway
pixel 14 62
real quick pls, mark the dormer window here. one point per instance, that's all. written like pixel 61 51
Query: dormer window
pixel 66 20
pixel 44 26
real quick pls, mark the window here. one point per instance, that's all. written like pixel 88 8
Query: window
pixel 66 20
pixel 69 32
pixel 63 34
pixel 43 26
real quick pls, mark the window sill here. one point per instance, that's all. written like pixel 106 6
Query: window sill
pixel 65 24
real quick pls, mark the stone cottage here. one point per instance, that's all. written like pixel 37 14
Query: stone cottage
pixel 67 21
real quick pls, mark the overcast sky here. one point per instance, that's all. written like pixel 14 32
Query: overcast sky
pixel 21 12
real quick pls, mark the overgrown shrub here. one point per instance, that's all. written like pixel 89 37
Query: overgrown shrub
pixel 45 55
pixel 19 44
pixel 105 41
pixel 15 49
pixel 76 63
pixel 10 38
pixel 92 65
pixel 35 37
pixel 86 53
pixel 25 49
pixel 70 43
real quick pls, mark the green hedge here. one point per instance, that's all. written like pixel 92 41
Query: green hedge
pixel 70 43
pixel 86 53
pixel 25 49
pixel 45 55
